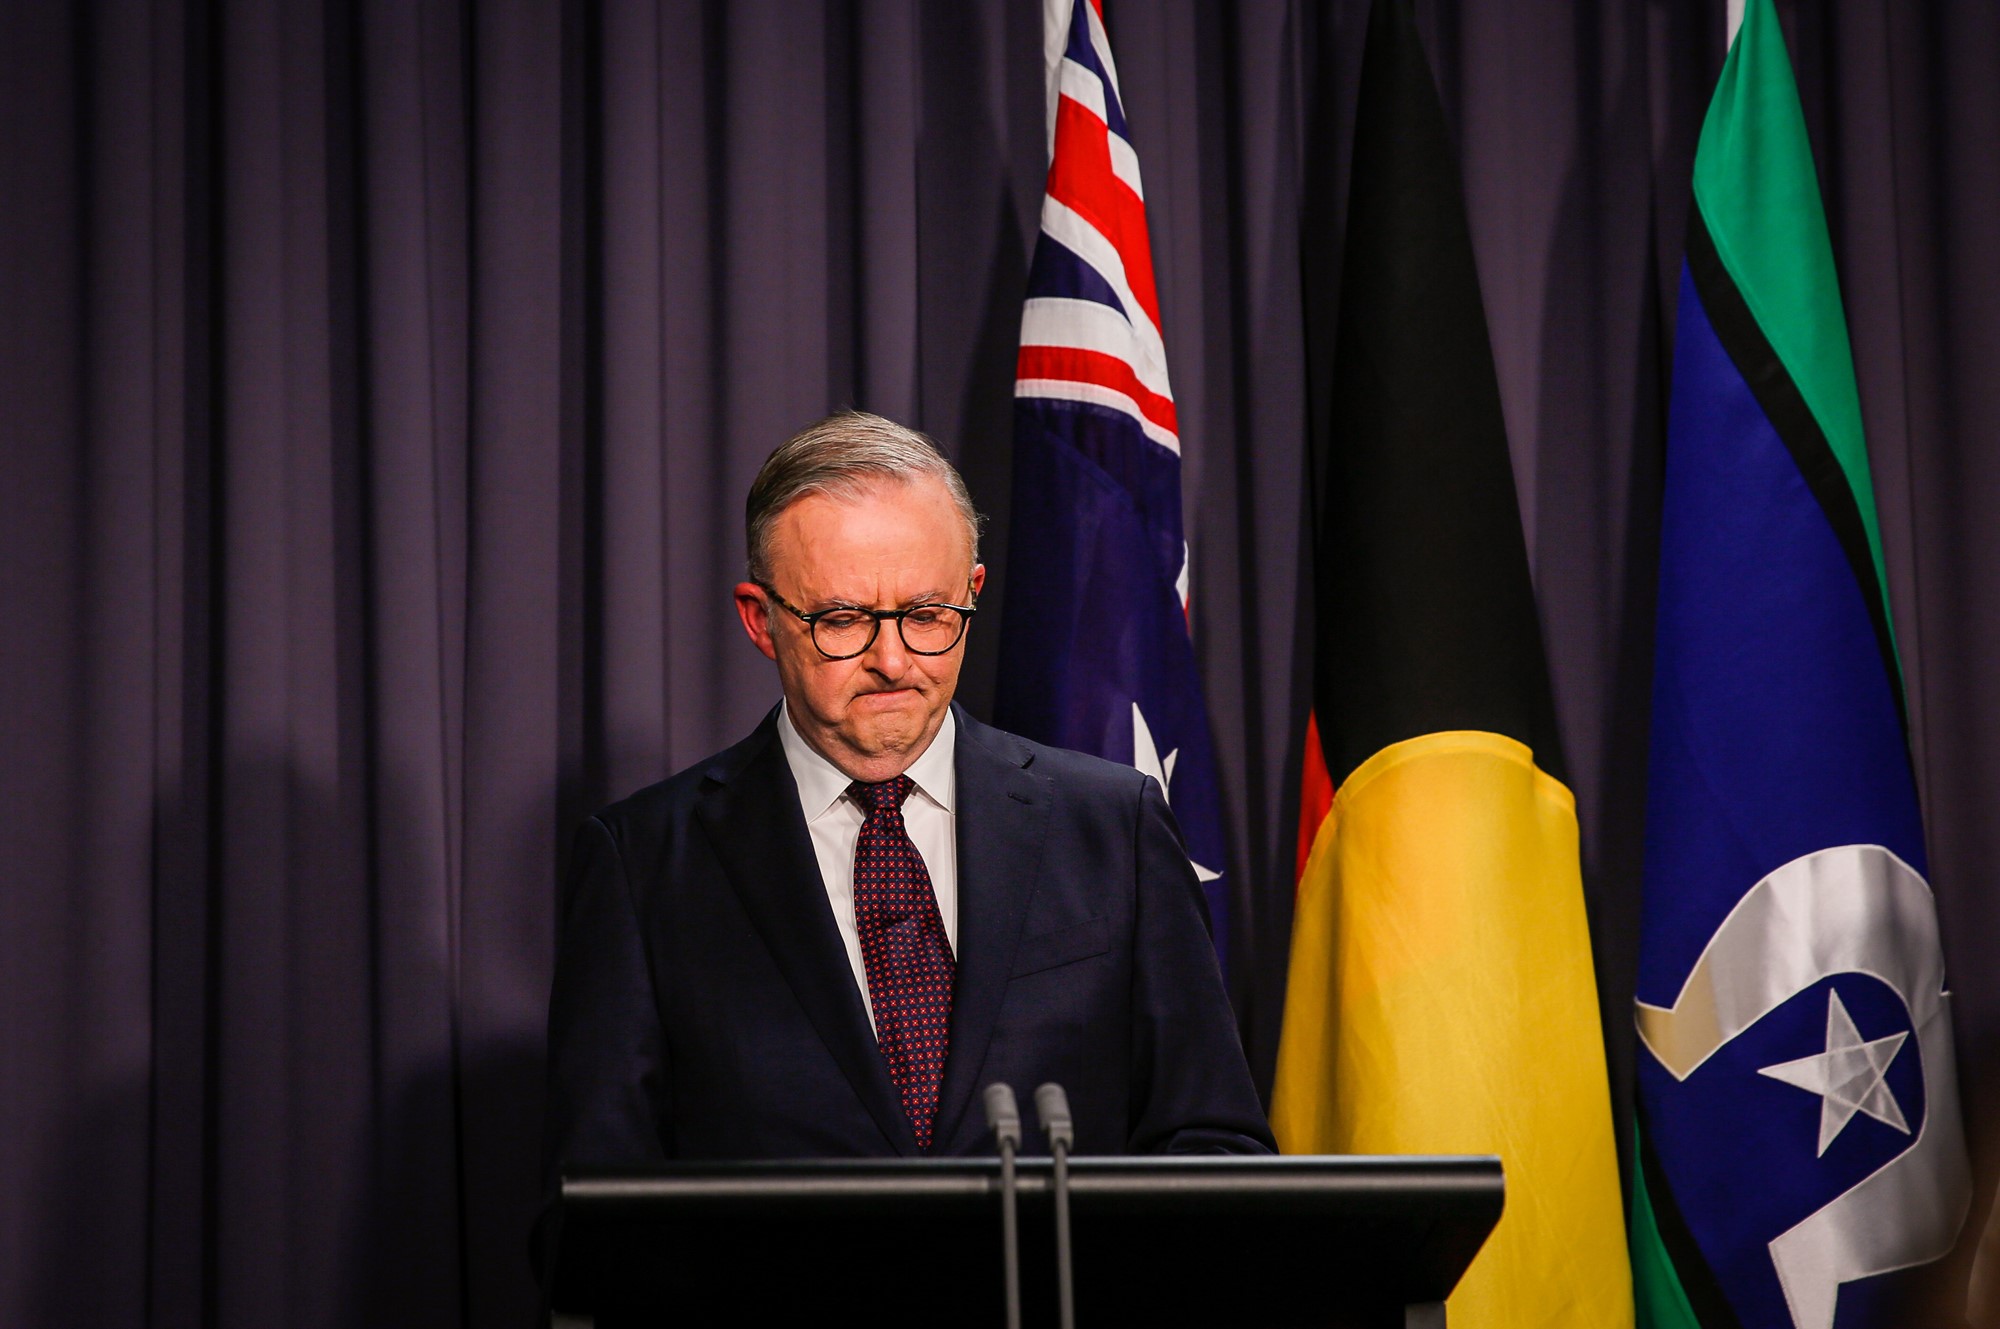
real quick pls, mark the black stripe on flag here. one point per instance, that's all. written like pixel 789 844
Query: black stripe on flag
pixel 1425 611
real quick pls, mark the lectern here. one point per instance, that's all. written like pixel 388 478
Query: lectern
pixel 1340 1242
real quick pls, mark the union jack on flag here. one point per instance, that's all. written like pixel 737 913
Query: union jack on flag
pixel 1094 651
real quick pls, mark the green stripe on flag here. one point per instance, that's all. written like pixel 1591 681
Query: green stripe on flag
pixel 1754 180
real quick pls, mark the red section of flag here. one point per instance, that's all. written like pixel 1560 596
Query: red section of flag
pixel 1073 365
pixel 1315 793
pixel 1081 179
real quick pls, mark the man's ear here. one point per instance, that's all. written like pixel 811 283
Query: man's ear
pixel 755 612
pixel 978 578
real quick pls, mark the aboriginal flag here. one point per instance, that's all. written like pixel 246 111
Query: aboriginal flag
pixel 1799 1133
pixel 1441 997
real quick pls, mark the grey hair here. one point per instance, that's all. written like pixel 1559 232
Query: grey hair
pixel 844 456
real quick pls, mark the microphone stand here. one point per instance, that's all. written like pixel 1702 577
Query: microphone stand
pixel 1052 1106
pixel 1003 1117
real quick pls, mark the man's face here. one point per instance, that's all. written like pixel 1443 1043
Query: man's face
pixel 897 545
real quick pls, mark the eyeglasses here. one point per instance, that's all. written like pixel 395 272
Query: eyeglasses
pixel 842 633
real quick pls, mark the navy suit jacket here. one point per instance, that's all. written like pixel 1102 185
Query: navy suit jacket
pixel 704 1006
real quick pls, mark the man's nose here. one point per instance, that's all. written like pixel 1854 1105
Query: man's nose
pixel 887 655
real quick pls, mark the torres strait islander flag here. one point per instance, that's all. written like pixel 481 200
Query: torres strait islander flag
pixel 1094 648
pixel 1441 997
pixel 1799 1132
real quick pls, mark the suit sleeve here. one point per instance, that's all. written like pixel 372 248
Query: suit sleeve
pixel 609 1077
pixel 1192 1088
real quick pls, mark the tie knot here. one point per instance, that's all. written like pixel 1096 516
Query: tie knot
pixel 886 796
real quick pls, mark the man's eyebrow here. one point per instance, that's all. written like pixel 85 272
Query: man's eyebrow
pixel 919 599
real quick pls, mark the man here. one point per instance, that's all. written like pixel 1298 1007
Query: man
pixel 826 940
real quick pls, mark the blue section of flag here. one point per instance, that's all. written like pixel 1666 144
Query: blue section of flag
pixel 1058 273
pixel 1775 734
pixel 1146 474
pixel 1094 624
pixel 1775 730
pixel 1738 1146
pixel 1083 52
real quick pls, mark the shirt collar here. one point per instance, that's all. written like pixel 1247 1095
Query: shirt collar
pixel 822 784
pixel 935 772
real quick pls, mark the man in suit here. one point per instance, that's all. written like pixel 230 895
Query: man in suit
pixel 826 940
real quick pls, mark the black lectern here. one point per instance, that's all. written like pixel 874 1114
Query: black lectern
pixel 1354 1243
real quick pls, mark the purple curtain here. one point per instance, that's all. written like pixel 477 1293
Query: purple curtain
pixel 379 383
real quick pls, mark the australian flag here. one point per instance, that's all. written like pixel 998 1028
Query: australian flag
pixel 1094 651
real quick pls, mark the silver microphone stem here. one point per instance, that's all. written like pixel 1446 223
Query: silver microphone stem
pixel 1010 1233
pixel 1052 1106
pixel 1065 1286
pixel 1003 1117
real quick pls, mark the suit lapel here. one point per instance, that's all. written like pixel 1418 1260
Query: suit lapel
pixel 1001 813
pixel 751 810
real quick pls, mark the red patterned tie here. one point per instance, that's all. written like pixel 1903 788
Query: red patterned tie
pixel 903 951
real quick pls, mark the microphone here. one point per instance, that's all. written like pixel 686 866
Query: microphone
pixel 1003 1114
pixel 1052 1106
pixel 1003 1118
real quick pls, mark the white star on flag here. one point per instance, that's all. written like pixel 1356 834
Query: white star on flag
pixel 1146 756
pixel 1848 1076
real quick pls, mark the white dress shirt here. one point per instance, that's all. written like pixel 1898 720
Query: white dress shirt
pixel 835 821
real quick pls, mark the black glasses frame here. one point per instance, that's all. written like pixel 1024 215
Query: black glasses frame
pixel 965 613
